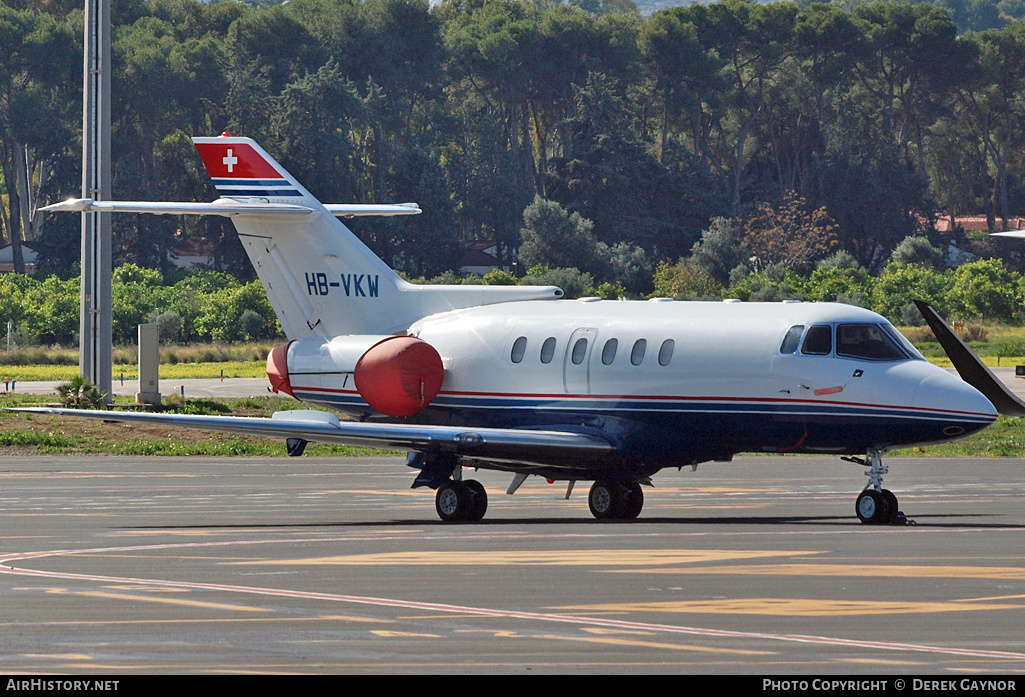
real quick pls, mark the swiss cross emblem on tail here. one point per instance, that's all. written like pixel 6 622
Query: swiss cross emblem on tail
pixel 240 170
pixel 236 160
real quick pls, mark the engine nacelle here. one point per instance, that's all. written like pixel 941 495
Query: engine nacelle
pixel 395 375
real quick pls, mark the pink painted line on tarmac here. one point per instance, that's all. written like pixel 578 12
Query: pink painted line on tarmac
pixel 6 560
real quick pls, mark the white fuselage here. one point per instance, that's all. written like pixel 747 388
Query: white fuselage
pixel 712 379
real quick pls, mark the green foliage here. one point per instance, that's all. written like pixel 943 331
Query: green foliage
pixel 772 284
pixel 609 291
pixel 79 393
pixel 983 289
pixel 209 306
pixel 917 250
pixel 898 287
pixel 844 285
pixel 720 250
pixel 685 281
pixel 499 278
pixel 555 238
pixel 688 134
pixel 574 282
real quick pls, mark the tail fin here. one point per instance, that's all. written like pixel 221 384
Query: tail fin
pixel 320 278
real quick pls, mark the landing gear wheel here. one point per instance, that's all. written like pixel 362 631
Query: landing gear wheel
pixel 872 507
pixel 634 501
pixel 452 501
pixel 606 500
pixel 891 500
pixel 478 499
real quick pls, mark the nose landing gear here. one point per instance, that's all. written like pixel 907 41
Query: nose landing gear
pixel 876 505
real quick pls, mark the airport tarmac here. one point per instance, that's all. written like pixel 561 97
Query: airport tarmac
pixel 124 565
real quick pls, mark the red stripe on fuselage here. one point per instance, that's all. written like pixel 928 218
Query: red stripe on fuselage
pixel 672 398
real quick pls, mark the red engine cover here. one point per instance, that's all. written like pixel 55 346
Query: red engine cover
pixel 399 376
pixel 277 369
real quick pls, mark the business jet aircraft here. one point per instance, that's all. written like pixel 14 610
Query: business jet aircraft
pixel 515 379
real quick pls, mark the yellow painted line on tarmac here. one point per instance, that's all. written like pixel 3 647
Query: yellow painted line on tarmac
pixel 601 557
pixel 178 533
pixel 994 597
pixel 790 607
pixel 168 601
pixel 880 662
pixel 61 656
pixel 1011 573
pixel 209 620
pixel 620 637
pixel 375 492
pixel 391 633
pixel 616 641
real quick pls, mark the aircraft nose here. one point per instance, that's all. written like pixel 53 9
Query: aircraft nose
pixel 947 395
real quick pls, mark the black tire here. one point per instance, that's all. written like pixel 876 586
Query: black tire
pixel 606 500
pixel 478 499
pixel 452 501
pixel 891 500
pixel 872 507
pixel 634 501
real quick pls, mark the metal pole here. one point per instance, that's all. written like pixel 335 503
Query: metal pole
pixel 95 354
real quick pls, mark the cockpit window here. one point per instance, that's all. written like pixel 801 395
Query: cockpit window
pixel 792 339
pixel 867 341
pixel 819 341
pixel 902 340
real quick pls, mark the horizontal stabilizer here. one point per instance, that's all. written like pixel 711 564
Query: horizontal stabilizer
pixel 228 207
pixel 1009 233
pixel 484 443
pixel 969 367
pixel 357 210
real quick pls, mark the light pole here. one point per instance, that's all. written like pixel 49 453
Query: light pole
pixel 95 355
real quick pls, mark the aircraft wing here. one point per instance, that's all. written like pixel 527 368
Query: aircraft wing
pixel 969 367
pixel 228 207
pixel 506 444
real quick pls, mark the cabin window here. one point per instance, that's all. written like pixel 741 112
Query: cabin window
pixel 579 351
pixel 637 354
pixel 608 354
pixel 792 339
pixel 819 341
pixel 548 350
pixel 866 341
pixel 665 354
pixel 518 349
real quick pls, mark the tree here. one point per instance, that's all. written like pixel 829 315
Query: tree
pixel 917 250
pixel 557 239
pixel 37 101
pixel 720 250
pixel 792 235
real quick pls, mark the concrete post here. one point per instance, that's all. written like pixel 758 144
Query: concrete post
pixel 149 364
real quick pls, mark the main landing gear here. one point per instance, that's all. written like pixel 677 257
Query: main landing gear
pixel 459 500
pixel 609 500
pixel 876 505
